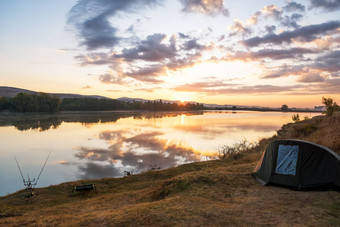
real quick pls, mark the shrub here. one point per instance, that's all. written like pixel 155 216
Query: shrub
pixel 296 118
pixel 306 117
pixel 225 151
pixel 331 107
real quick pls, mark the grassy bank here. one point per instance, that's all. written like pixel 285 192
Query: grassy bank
pixel 212 193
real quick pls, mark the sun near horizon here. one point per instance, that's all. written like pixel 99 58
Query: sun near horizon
pixel 215 52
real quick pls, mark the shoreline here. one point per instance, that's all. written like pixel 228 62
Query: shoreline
pixel 8 113
pixel 165 112
pixel 215 192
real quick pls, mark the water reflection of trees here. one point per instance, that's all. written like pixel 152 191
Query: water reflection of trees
pixel 136 152
pixel 43 122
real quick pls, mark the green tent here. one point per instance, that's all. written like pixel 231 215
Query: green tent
pixel 298 164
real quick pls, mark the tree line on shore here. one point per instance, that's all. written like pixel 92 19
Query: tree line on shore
pixel 42 102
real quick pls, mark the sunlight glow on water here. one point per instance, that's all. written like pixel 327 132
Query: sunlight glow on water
pixel 96 145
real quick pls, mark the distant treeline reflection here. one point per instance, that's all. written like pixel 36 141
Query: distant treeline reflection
pixel 43 122
pixel 24 102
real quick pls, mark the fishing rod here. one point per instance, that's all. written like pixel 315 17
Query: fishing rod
pixel 23 179
pixel 42 169
pixel 30 184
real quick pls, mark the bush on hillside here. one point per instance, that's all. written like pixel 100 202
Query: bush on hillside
pixel 225 151
pixel 331 107
pixel 296 118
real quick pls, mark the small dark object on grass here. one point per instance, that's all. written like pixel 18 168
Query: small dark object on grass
pixel 128 173
pixel 154 167
pixel 84 187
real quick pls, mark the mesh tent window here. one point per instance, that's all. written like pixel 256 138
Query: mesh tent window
pixel 286 159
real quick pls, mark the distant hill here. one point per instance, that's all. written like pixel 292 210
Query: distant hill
pixel 12 91
pixel 127 99
pixel 212 106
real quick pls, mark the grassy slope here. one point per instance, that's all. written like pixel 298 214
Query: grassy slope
pixel 212 193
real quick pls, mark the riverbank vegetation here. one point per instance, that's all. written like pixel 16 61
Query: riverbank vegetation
pixel 24 102
pixel 219 192
pixel 42 102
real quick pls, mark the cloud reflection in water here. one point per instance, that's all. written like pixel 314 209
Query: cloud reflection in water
pixel 128 150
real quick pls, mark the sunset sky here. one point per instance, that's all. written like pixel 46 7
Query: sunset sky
pixel 244 52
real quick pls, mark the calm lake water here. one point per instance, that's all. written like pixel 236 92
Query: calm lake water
pixel 105 144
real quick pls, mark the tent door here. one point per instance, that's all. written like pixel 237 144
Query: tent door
pixel 287 156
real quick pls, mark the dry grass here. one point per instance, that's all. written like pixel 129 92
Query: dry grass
pixel 213 193
pixel 320 130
